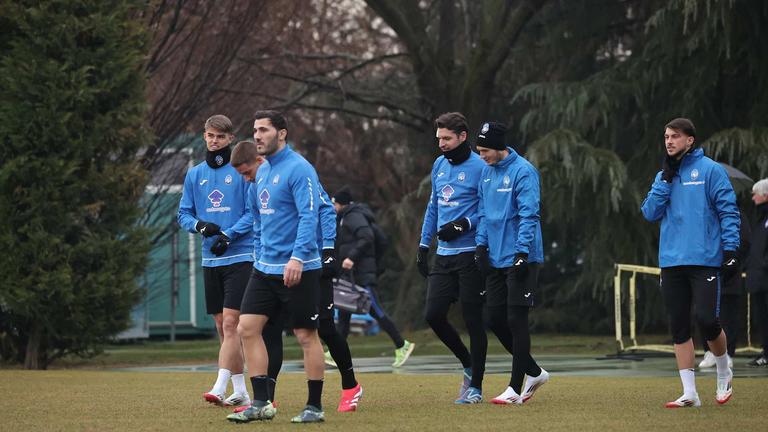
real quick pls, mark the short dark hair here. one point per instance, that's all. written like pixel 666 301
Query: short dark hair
pixel 275 117
pixel 220 122
pixel 683 125
pixel 244 153
pixel 454 121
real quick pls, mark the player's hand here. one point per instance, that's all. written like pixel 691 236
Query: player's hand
pixel 668 169
pixel 453 229
pixel 422 258
pixel 730 264
pixel 221 245
pixel 292 272
pixel 520 266
pixel 482 260
pixel 330 264
pixel 347 264
pixel 207 229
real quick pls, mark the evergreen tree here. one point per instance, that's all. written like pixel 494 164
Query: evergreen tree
pixel 598 140
pixel 72 107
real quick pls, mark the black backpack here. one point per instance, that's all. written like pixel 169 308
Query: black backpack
pixel 380 244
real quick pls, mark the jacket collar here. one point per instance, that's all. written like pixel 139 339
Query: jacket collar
pixel 507 161
pixel 280 156
pixel 692 157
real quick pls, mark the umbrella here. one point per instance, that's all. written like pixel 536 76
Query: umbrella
pixel 739 180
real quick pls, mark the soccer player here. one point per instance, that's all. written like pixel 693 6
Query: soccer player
pixel 452 214
pixel 246 160
pixel 509 251
pixel 284 203
pixel 214 204
pixel 696 205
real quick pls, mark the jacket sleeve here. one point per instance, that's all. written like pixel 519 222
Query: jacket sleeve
pixel 429 227
pixel 724 200
pixel 305 196
pixel 363 234
pixel 187 215
pixel 745 236
pixel 655 203
pixel 244 225
pixel 481 237
pixel 252 207
pixel 327 215
pixel 527 196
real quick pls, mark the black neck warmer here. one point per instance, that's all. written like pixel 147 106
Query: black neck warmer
pixel 459 154
pixel 218 158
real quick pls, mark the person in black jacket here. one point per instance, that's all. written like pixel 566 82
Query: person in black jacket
pixel 730 301
pixel 355 246
pixel 757 267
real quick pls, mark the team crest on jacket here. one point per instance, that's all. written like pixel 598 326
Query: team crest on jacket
pixel 462 176
pixel 694 174
pixel 276 179
pixel 228 179
pixel 447 191
pixel 216 196
pixel 264 198
pixel 506 181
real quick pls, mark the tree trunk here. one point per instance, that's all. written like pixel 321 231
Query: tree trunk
pixel 32 359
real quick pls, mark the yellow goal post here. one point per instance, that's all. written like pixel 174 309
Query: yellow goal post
pixel 632 270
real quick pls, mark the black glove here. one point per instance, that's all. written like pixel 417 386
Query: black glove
pixel 520 266
pixel 730 264
pixel 219 248
pixel 207 229
pixel 330 264
pixel 669 168
pixel 453 229
pixel 422 258
pixel 482 260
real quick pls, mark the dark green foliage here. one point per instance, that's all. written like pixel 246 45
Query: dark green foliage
pixel 699 59
pixel 72 106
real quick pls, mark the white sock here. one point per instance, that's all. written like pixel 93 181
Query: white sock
pixel 689 381
pixel 722 365
pixel 238 384
pixel 221 382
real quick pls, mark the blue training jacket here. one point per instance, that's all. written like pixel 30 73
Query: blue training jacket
pixel 454 196
pixel 326 230
pixel 509 211
pixel 284 203
pixel 218 196
pixel 698 213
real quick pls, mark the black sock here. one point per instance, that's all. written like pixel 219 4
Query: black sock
pixel 478 341
pixel 521 357
pixel 339 349
pixel 436 315
pixel 348 380
pixel 315 393
pixel 259 384
pixel 271 386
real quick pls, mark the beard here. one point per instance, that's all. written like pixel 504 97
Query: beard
pixel 267 148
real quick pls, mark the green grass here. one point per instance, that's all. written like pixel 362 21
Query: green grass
pixel 101 400
pixel 206 351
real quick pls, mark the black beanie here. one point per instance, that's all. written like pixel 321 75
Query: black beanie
pixel 492 136
pixel 343 196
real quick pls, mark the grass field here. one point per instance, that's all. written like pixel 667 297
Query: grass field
pixel 137 401
pixel 206 350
